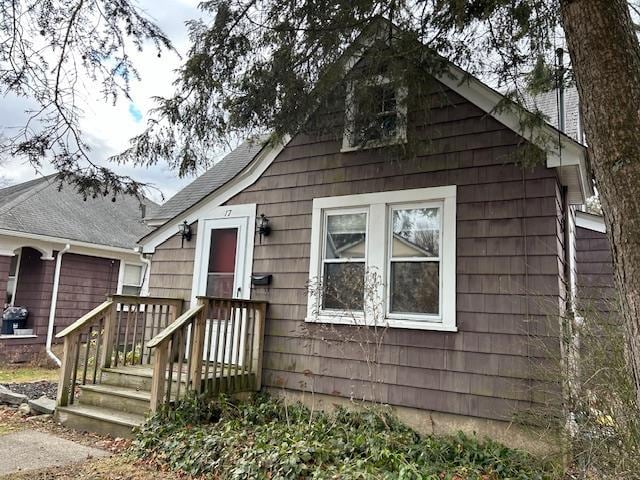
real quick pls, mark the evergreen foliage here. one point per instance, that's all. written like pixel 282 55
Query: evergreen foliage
pixel 266 438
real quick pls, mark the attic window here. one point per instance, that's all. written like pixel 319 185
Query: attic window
pixel 375 114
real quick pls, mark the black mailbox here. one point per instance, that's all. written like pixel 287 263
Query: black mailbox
pixel 261 280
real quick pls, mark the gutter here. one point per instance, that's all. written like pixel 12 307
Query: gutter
pixel 54 301
pixel 74 243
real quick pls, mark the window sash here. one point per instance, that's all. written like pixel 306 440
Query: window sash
pixel 324 260
pixel 390 258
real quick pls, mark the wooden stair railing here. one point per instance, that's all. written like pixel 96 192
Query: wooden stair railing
pixel 115 333
pixel 219 341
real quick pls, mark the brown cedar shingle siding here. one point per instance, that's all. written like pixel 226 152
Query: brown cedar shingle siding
pixel 595 271
pixel 35 283
pixel 172 267
pixel 85 283
pixel 509 243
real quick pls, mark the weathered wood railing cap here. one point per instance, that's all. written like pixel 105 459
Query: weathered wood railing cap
pixel 233 300
pixel 86 318
pixel 176 325
pixel 145 300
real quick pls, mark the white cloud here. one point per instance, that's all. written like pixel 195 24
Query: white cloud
pixel 109 127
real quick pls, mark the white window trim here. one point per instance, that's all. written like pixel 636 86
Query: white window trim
pixel 15 278
pixel 143 274
pixel 378 205
pixel 348 145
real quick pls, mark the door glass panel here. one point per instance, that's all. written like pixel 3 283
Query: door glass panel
pixel 222 262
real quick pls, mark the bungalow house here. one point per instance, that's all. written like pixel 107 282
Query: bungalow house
pixel 60 256
pixel 485 246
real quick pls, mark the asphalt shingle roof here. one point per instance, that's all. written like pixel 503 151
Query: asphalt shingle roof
pixel 214 178
pixel 547 103
pixel 37 207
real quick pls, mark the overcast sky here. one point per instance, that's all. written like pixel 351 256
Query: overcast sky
pixel 108 127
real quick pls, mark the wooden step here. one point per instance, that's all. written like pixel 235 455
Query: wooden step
pixel 139 379
pixel 105 421
pixel 115 397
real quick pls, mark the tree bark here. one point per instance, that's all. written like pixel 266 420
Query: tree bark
pixel 605 56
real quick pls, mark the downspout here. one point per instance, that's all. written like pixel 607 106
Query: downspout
pixel 144 291
pixel 54 301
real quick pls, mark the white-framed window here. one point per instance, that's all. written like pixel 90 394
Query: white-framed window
pixel 407 237
pixel 344 257
pixel 131 278
pixel 12 279
pixel 375 114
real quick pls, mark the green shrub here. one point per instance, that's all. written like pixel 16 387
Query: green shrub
pixel 266 439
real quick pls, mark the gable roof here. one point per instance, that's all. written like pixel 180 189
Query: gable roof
pixel 563 152
pixel 210 181
pixel 37 207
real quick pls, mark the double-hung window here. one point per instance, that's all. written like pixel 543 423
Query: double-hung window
pixel 406 237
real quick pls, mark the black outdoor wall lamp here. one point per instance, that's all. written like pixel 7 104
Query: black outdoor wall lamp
pixel 264 229
pixel 184 229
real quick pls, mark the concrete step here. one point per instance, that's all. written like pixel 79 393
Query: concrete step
pixel 115 397
pixel 105 421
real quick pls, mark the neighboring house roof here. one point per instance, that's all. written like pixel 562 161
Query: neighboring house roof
pixel 37 207
pixel 210 181
pixel 547 103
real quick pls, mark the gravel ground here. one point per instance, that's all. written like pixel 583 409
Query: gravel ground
pixel 34 390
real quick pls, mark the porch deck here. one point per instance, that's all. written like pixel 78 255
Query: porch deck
pixel 131 355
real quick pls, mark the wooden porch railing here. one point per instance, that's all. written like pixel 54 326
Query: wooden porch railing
pixel 113 334
pixel 216 346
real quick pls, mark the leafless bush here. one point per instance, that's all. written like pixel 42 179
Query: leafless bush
pixel 593 403
pixel 354 327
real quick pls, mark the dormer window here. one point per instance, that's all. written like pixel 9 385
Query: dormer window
pixel 375 114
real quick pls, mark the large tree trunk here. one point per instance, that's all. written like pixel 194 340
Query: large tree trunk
pixel 606 60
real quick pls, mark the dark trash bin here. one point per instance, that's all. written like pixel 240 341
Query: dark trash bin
pixel 13 318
